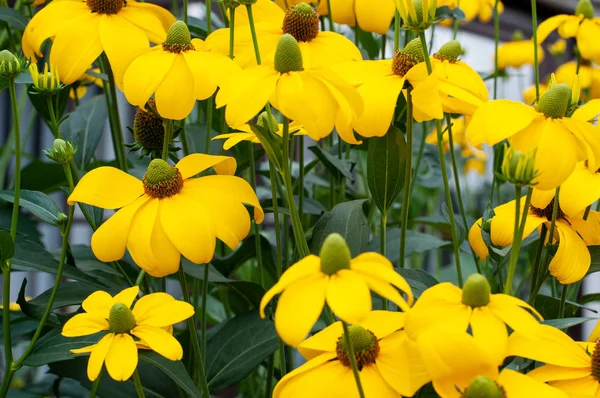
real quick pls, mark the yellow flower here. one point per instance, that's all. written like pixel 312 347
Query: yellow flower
pixel 146 321
pixel 417 15
pixel 82 30
pixel 45 82
pixel 475 160
pixel 169 213
pixel 572 260
pixel 335 278
pixel 517 54
pixel 582 26
pixel 445 306
pixel 178 73
pixel 370 17
pixel 484 9
pixel 588 78
pixel 558 47
pixel 572 367
pixel 328 373
pixel 318 99
pixel 318 48
pixel 14 306
pixel 561 141
pixel 529 94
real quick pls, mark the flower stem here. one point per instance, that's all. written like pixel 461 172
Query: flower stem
pixel 185 11
pixel 96 385
pixel 53 123
pixel 352 358
pixel 253 33
pixel 203 311
pixel 383 248
pixel 517 239
pixel 208 17
pixel 440 145
pixel 407 177
pixel 114 119
pixel 191 324
pixel 256 227
pixel 330 16
pixel 536 62
pixel 301 176
pixel 168 127
pixel 231 31
pixel 536 265
pixel 209 116
pixel 396 31
pixel 562 304
pixel 455 24
pixel 383 44
pixel 138 384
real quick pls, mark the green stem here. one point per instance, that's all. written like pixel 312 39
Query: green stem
pixel 253 33
pixel 562 304
pixel 352 358
pixel 383 247
pixel 96 385
pixel 168 127
pixel 383 44
pixel 396 31
pixel 185 11
pixel 209 117
pixel 231 31
pixel 356 33
pixel 407 177
pixel 536 266
pixel 208 17
pixel 191 324
pixel 203 311
pixel 114 119
pixel 138 384
pixel 440 145
pixel 301 175
pixel 17 134
pixel 419 155
pixel 330 16
pixel 536 63
pixel 518 237
pixel 256 227
pixel 140 278
pixel 53 123
pixel 183 138
pixel 8 358
pixel 496 44
pixel 455 24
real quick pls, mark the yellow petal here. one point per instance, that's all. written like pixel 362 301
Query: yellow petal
pixel 309 265
pixel 506 301
pixel 327 49
pixel 374 384
pixel 83 325
pixel 293 383
pixel 127 296
pixel 476 240
pixel 163 249
pixel 145 74
pixel 374 19
pixel 586 39
pixel 145 305
pixel 152 19
pixel 84 350
pixel 553 372
pixel 425 98
pixel 490 332
pixel 505 218
pixel 385 275
pixel 98 304
pixel 595 335
pixel 541 199
pixel 107 187
pixel 175 94
pixel 160 341
pixel 490 123
pixel 139 242
pixel 572 260
pixel 379 95
pixel 588 141
pixel 122 357
pixel 98 355
pixel 110 240
pixel 196 163
pixel 158 311
pixel 586 386
pixel 348 296
pixel 518 385
pixel 549 25
pixel 342 12
pixel 322 342
pixel 299 307
pixel 203 67
pixel 588 111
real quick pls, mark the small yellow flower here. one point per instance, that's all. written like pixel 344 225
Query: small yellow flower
pixel 445 306
pixel 370 17
pixel 518 53
pixel 169 213
pixel 335 278
pixel 558 47
pixel 529 94
pixel 14 306
pixel 46 82
pixel 147 321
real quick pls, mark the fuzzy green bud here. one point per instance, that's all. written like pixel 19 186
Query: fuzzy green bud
pixel 518 35
pixel 266 119
pixel 450 51
pixel 10 66
pixel 484 387
pixel 288 56
pixel 555 102
pixel 335 254
pixel 517 167
pixel 417 15
pixel 585 8
pixel 476 291
pixel 61 151
pixel 121 319
pixel 178 38
pixel 415 50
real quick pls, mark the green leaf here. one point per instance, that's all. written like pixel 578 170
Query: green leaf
pixel 336 166
pixel 368 43
pixel 548 307
pixel 41 205
pixel 595 263
pixel 7 245
pixel 348 220
pixel 418 279
pixel 174 369
pixel 247 250
pixel 461 231
pixel 54 347
pixel 40 103
pixel 445 12
pixel 13 17
pixel 43 176
pixel 589 298
pixel 84 129
pixel 271 143
pixel 240 345
pixel 566 323
pixel 386 158
pixel 416 242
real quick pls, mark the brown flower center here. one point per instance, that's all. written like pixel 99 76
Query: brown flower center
pixel 302 22
pixel 547 211
pixel 364 343
pixel 162 180
pixel 148 127
pixel 402 62
pixel 596 361
pixel 106 6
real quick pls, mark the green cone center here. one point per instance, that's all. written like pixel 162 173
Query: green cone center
pixel 121 319
pixel 178 38
pixel 484 387
pixel 450 51
pixel 335 254
pixel 585 8
pixel 555 102
pixel 364 344
pixel 288 56
pixel 162 180
pixel 302 22
pixel 106 6
pixel 476 291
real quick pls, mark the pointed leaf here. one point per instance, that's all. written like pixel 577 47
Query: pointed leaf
pixel 41 205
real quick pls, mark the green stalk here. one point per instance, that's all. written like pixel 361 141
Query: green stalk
pixel 301 176
pixel 203 311
pixel 330 16
pixel 517 236
pixel 114 119
pixel 185 11
pixel 208 17
pixel 536 265
pixel 253 33
pixel 191 324
pixel 407 177
pixel 440 145
pixel 138 384
pixel 383 247
pixel 536 63
pixel 231 31
pixel 183 139
pixel 563 299
pixel 209 117
pixel 53 122
pixel 383 44
pixel 455 24
pixel 168 127
pixel 396 31
pixel 96 385
pixel 352 358
pixel 256 227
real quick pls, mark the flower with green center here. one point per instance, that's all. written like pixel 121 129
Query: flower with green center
pixel 47 82
pixel 451 308
pixel 328 373
pixel 169 213
pixel 319 48
pixel 318 99
pixel 583 26
pixel 560 136
pixel 178 72
pixel 417 15
pixel 82 30
pixel 149 322
pixel 336 278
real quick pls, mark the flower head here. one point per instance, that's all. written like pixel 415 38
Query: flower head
pixel 148 321
pixel 82 30
pixel 169 213
pixel 481 9
pixel 46 82
pixel 518 53
pixel 61 151
pixel 417 15
pixel 370 18
pixel 10 65
pixel 336 278
pixel 518 167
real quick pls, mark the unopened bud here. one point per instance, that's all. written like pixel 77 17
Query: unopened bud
pixel 61 151
pixel 517 167
pixel 585 8
pixel 10 66
pixel 335 254
pixel 46 82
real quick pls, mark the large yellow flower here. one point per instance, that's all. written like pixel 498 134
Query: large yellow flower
pixel 335 278
pixel 318 99
pixel 573 367
pixel 482 9
pixel 445 306
pixel 328 373
pixel 301 21
pixel 518 53
pixel 82 30
pixel 369 18
pixel 588 78
pixel 561 138
pixel 582 26
pixel 178 73
pixel 149 321
pixel 572 260
pixel 169 213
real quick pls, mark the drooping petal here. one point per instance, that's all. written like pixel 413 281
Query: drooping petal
pixel 572 259
pixel 160 341
pixel 518 385
pixel 379 95
pixel 209 70
pixel 586 386
pixel 476 240
pixel 196 163
pixel 505 301
pixel 426 97
pixel 145 305
pixel 299 307
pixel 145 74
pixel 164 250
pixel 98 304
pixel 386 276
pixel 154 20
pixel 374 384
pixel 175 94
pixel 83 325
pixel 159 312
pixel 139 242
pixel 348 296
pixel 505 218
pixel 293 384
pixel 588 111
pixel 490 332
pixel 374 19
pixel 550 25
pixel 107 187
pixel 127 296
pixel 553 372
pixel 327 49
pixel 586 39
pixel 98 355
pixel 541 199
pixel 122 357
pixel 588 141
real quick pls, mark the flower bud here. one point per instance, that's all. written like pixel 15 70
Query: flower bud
pixel 266 119
pixel 417 15
pixel 450 51
pixel 585 8
pixel 476 291
pixel 518 35
pixel 47 82
pixel 288 56
pixel 335 254
pixel 61 151
pixel 484 387
pixel 10 66
pixel 517 167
